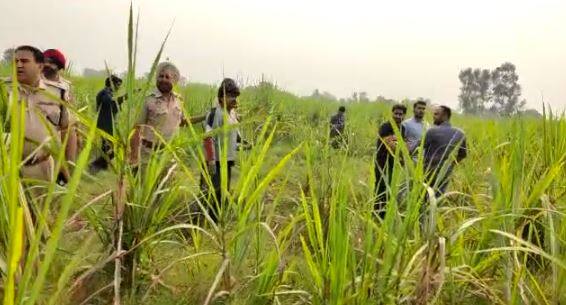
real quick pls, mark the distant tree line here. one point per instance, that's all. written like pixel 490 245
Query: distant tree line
pixel 496 91
pixel 7 56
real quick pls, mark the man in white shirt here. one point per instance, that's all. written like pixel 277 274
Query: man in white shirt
pixel 221 123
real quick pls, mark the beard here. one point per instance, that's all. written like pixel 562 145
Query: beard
pixel 165 87
pixel 49 72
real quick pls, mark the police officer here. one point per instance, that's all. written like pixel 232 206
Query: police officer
pixel 162 113
pixel 46 119
pixel 54 65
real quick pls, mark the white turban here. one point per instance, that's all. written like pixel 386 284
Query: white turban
pixel 171 67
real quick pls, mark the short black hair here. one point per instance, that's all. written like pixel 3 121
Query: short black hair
pixel 228 87
pixel 446 110
pixel 37 53
pixel 342 109
pixel 399 107
pixel 116 81
pixel 419 102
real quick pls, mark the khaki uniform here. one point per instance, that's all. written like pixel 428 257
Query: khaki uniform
pixel 162 115
pixel 65 85
pixel 45 118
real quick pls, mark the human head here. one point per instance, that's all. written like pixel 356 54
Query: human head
pixel 228 93
pixel 342 109
pixel 113 82
pixel 419 108
pixel 399 111
pixel 54 61
pixel 167 76
pixel 29 64
pixel 441 114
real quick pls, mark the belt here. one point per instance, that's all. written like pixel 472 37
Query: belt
pixel 151 145
pixel 35 160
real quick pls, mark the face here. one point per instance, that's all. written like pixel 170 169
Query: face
pixel 165 81
pixel 28 70
pixel 438 116
pixel 50 69
pixel 419 111
pixel 231 102
pixel 398 116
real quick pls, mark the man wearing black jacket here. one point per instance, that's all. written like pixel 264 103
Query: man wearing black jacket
pixel 385 157
pixel 107 108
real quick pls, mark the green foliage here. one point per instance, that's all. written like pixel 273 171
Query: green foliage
pixel 297 226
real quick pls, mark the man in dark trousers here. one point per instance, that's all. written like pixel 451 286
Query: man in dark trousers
pixel 337 126
pixel 444 147
pixel 107 108
pixel 224 120
pixel 385 157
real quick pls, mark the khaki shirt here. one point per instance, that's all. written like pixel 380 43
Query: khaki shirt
pixel 45 117
pixel 65 85
pixel 162 114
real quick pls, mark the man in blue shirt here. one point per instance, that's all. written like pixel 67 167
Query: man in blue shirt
pixel 444 147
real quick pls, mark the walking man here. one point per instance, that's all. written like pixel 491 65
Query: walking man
pixel 107 108
pixel 337 126
pixel 222 142
pixel 444 147
pixel 162 113
pixel 53 67
pixel 415 127
pixel 46 118
pixel 385 157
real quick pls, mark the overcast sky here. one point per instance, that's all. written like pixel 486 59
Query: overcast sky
pixel 403 48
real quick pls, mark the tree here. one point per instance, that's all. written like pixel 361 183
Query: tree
pixel 496 90
pixel 8 55
pixel 354 97
pixel 506 90
pixel 475 90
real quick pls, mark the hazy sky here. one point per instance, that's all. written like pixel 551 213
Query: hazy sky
pixel 397 49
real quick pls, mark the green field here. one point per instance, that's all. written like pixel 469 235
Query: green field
pixel 298 228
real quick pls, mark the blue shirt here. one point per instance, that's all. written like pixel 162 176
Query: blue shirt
pixel 439 144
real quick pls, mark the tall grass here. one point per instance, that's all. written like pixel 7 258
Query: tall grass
pixel 297 225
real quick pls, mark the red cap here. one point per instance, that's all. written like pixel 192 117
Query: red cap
pixel 56 56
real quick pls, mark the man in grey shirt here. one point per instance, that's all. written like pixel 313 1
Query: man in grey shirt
pixel 444 146
pixel 415 127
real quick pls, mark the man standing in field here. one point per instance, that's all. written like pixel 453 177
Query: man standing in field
pixel 385 157
pixel 53 67
pixel 107 108
pixel 444 147
pixel 162 113
pixel 337 126
pixel 415 127
pixel 222 142
pixel 46 118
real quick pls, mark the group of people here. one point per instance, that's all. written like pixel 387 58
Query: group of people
pixel 443 146
pixel 49 124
